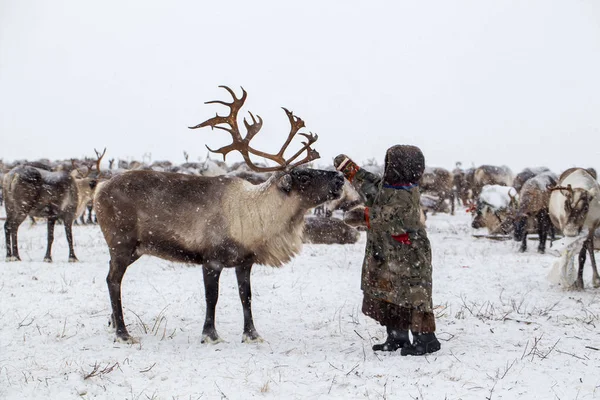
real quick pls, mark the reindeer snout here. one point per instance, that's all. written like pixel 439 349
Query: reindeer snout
pixel 339 179
pixel 338 184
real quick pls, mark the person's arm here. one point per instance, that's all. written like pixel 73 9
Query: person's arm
pixel 365 182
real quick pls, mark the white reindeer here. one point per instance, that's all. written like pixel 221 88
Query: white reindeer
pixel 574 206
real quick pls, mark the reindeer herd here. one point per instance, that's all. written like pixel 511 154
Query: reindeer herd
pixel 222 216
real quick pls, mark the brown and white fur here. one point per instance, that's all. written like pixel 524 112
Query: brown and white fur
pixel 85 194
pixel 491 175
pixel 574 206
pixel 534 198
pixel 495 209
pixel 38 192
pixel 219 222
pixel 438 182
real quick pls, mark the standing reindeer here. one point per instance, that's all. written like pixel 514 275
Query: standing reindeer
pixel 86 180
pixel 534 199
pixel 490 175
pixel 526 175
pixel 36 191
pixel 574 205
pixel 438 182
pixel 219 222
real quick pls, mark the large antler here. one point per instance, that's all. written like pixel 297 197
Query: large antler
pixel 242 144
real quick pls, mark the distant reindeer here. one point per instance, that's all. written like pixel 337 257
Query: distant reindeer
pixel 36 191
pixel 525 175
pixel 219 222
pixel 495 209
pixel 534 200
pixel 491 175
pixel 319 230
pixel 575 205
pixel 438 182
pixel 86 181
pixel 462 181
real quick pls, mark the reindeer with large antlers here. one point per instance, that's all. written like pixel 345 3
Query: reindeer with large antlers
pixel 219 222
pixel 39 192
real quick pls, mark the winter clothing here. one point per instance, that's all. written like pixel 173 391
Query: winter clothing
pixel 423 343
pixel 397 272
pixel 396 340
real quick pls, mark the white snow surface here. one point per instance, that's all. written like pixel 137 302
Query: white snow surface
pixel 497 196
pixel 506 331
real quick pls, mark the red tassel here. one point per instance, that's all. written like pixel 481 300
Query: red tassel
pixel 351 170
pixel 367 220
pixel 404 239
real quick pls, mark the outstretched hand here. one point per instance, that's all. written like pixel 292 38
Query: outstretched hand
pixel 346 166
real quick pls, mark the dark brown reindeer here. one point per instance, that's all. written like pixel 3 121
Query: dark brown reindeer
pixel 534 200
pixel 35 190
pixel 526 175
pixel 219 222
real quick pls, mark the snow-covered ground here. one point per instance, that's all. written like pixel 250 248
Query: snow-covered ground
pixel 506 332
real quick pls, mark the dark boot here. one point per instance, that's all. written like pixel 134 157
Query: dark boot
pixel 423 343
pixel 396 339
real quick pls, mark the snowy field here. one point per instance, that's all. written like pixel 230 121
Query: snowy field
pixel 506 332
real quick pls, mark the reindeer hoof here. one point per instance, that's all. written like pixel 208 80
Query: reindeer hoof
pixel 12 258
pixel 576 286
pixel 252 337
pixel 211 339
pixel 596 283
pixel 48 259
pixel 126 339
pixel 129 340
pixel 73 259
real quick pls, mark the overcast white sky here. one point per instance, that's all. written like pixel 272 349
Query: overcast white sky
pixel 482 82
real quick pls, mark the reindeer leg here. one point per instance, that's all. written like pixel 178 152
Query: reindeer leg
pixel 595 277
pixel 118 266
pixel 89 218
pixel 13 228
pixel 523 248
pixel 243 278
pixel 69 234
pixel 211 274
pixel 542 230
pixel 579 281
pixel 51 223
pixel 8 234
pixel 522 224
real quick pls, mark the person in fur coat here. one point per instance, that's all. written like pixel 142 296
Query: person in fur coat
pixel 397 271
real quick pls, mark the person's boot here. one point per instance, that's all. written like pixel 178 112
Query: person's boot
pixel 396 339
pixel 423 343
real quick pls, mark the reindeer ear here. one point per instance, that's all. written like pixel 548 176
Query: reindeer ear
pixel 285 182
